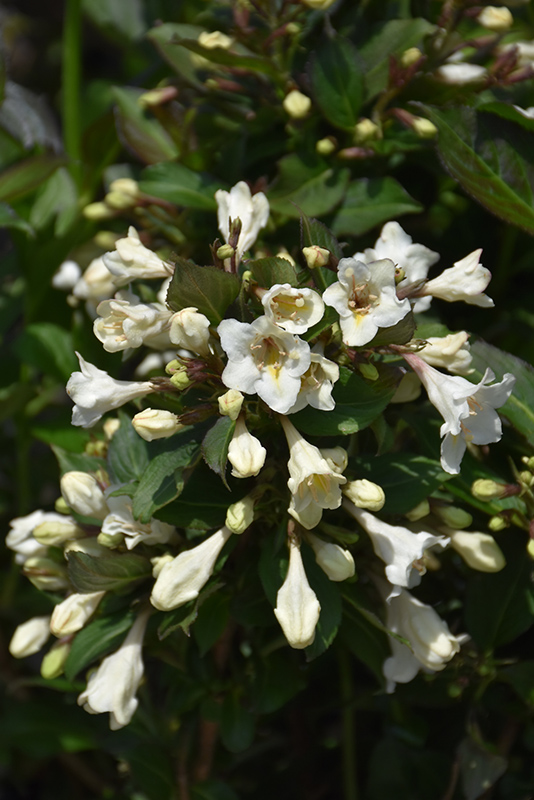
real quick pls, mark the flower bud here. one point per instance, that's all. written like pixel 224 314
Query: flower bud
pixel 61 507
pixel 30 637
pixel 245 453
pixel 225 251
pixel 180 380
pixel 72 614
pixel 125 186
pixel 365 494
pixel 369 371
pixel 479 550
pixel 98 211
pixel 336 457
pixel 486 490
pixel 230 403
pixel 240 515
pixel 156 423
pixel 530 548
pixel 159 96
pixel 495 18
pixel 297 608
pixel 336 562
pixel 453 517
pixel 424 128
pixel 158 562
pixel 296 104
pixel 497 523
pixel 212 40
pixel 53 663
pixel 53 534
pixel 526 478
pixel 421 510
pixel 316 256
pixel 46 574
pixel 110 540
pixel 111 426
pixel 528 461
pixel 325 147
pixel 410 56
pixel 365 130
pixel 82 493
pixel 90 546
pixel 119 200
pixel 190 329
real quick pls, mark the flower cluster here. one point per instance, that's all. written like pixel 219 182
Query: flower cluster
pixel 275 353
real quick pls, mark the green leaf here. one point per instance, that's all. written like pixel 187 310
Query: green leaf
pixel 147 138
pixel 182 60
pixel 208 289
pixel 97 639
pixel 499 607
pixel 127 453
pixel 491 158
pixel 180 618
pixel 391 38
pixel 180 185
pixel 507 111
pixel 106 573
pixel 215 446
pixel 405 478
pixel 365 641
pixel 358 403
pixel 77 462
pixel 49 349
pixel 519 408
pixel 236 60
pixel 268 271
pixel 307 185
pixel 152 770
pixel 163 480
pixel 520 676
pixel 479 768
pixel 277 680
pixel 400 333
pixel 274 561
pixel 9 219
pixel 337 82
pixel 202 505
pixel 213 616
pixel 313 232
pixel 62 434
pixel 110 14
pixel 27 175
pixel 57 198
pixel 237 724
pixel 370 202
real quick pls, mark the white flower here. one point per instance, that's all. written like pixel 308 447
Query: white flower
pixel 525 112
pixel 190 330
pixel 313 484
pixel 83 494
pixel 414 259
pixel 66 275
pixel 399 548
pixel 334 560
pixel 365 299
pixel 126 322
pixel 448 352
pixel 246 453
pixel 253 211
pixel 468 409
pixel 72 614
pixel 432 644
pixel 94 393
pixel 96 282
pixel 120 520
pixel 465 280
pixel 265 360
pixel 297 608
pixel 133 260
pixel 460 73
pixel 479 550
pixel 114 684
pixel 20 538
pixel 29 637
pixel 181 579
pixel 294 310
pixel 156 423
pixel 316 384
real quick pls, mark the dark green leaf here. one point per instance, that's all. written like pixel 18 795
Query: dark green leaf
pixel 97 639
pixel 273 563
pixel 277 680
pixel 492 159
pixel 307 185
pixel 521 677
pixel 358 403
pixel 181 618
pixel 237 724
pixel 78 462
pixel 507 111
pixel 106 573
pixel 180 185
pixel 163 480
pixel 164 38
pixel 9 219
pixel 146 137
pixel 406 773
pixel 49 348
pixel 152 770
pixel 57 198
pixel 479 768
pixel 27 175
pixel 208 289
pixel 313 232
pixel 202 505
pixel 212 620
pixel 127 453
pixel 241 61
pixel 337 82
pixel 370 202
pixel 365 641
pixel 268 271
pixel 62 434
pixel 400 333
pixel 213 790
pixel 215 446
pixel 110 14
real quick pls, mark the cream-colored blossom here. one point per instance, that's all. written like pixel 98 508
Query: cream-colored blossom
pixel 132 260
pixel 30 637
pixel 297 607
pixel 246 453
pixel 72 614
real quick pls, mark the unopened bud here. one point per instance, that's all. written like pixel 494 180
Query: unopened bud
pixel 365 494
pixel 53 663
pixel 180 380
pixel 486 490
pixel 453 517
pixel 365 130
pixel 296 104
pixel 292 28
pixel 97 448
pixel 526 478
pixel 325 146
pixel 479 550
pixel 157 97
pixel 119 201
pixel 106 239
pixel 369 371
pixel 83 494
pixel 46 574
pixel 528 461
pixel 173 366
pixel 497 524
pixel 316 256
pixel 111 426
pixel 225 251
pixel 337 458
pixel 334 560
pixel 125 186
pixel 158 562
pixel 495 18
pixel 53 534
pixel 240 515
pixel 156 423
pixel 424 128
pixel 400 274
pixel 410 56
pixel 110 540
pixel 61 507
pixel 530 548
pixel 98 211
pixel 29 637
pixel 419 511
pixel 215 39
pixel 230 403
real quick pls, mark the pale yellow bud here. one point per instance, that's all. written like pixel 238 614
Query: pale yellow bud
pixel 156 423
pixel 325 146
pixel 365 131
pixel 485 490
pixel 369 371
pixel 106 239
pixel 424 128
pixel 495 18
pixel 316 256
pixel 225 251
pixel 46 574
pixel 365 494
pixel 98 211
pixel 240 515
pixel 530 548
pixel 526 478
pixel 215 39
pixel 111 426
pixel 497 524
pixel 110 540
pixel 479 550
pixel 53 663
pixel 125 186
pixel 158 562
pixel 410 56
pixel 119 200
pixel 180 379
pixel 230 403
pixel 284 254
pixel 421 510
pixel 336 562
pixel 29 637
pixel 296 104
pixel 61 507
pixel 53 534
pixel 453 517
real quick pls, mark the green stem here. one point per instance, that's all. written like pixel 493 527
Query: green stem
pixel 350 785
pixel 71 86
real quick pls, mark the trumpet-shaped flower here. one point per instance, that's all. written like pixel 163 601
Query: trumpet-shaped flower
pixel 20 538
pixel 246 453
pixel 316 384
pixel 94 393
pixel 263 359
pixel 313 484
pixel 294 310
pixel 127 322
pixel 95 284
pixel 72 614
pixel 252 210
pixel 365 299
pixel 448 352
pixel 120 520
pixel 465 280
pixel 297 608
pixel 181 579
pixel 432 645
pixel 113 686
pixel 468 409
pixel 132 260
pixel 399 548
